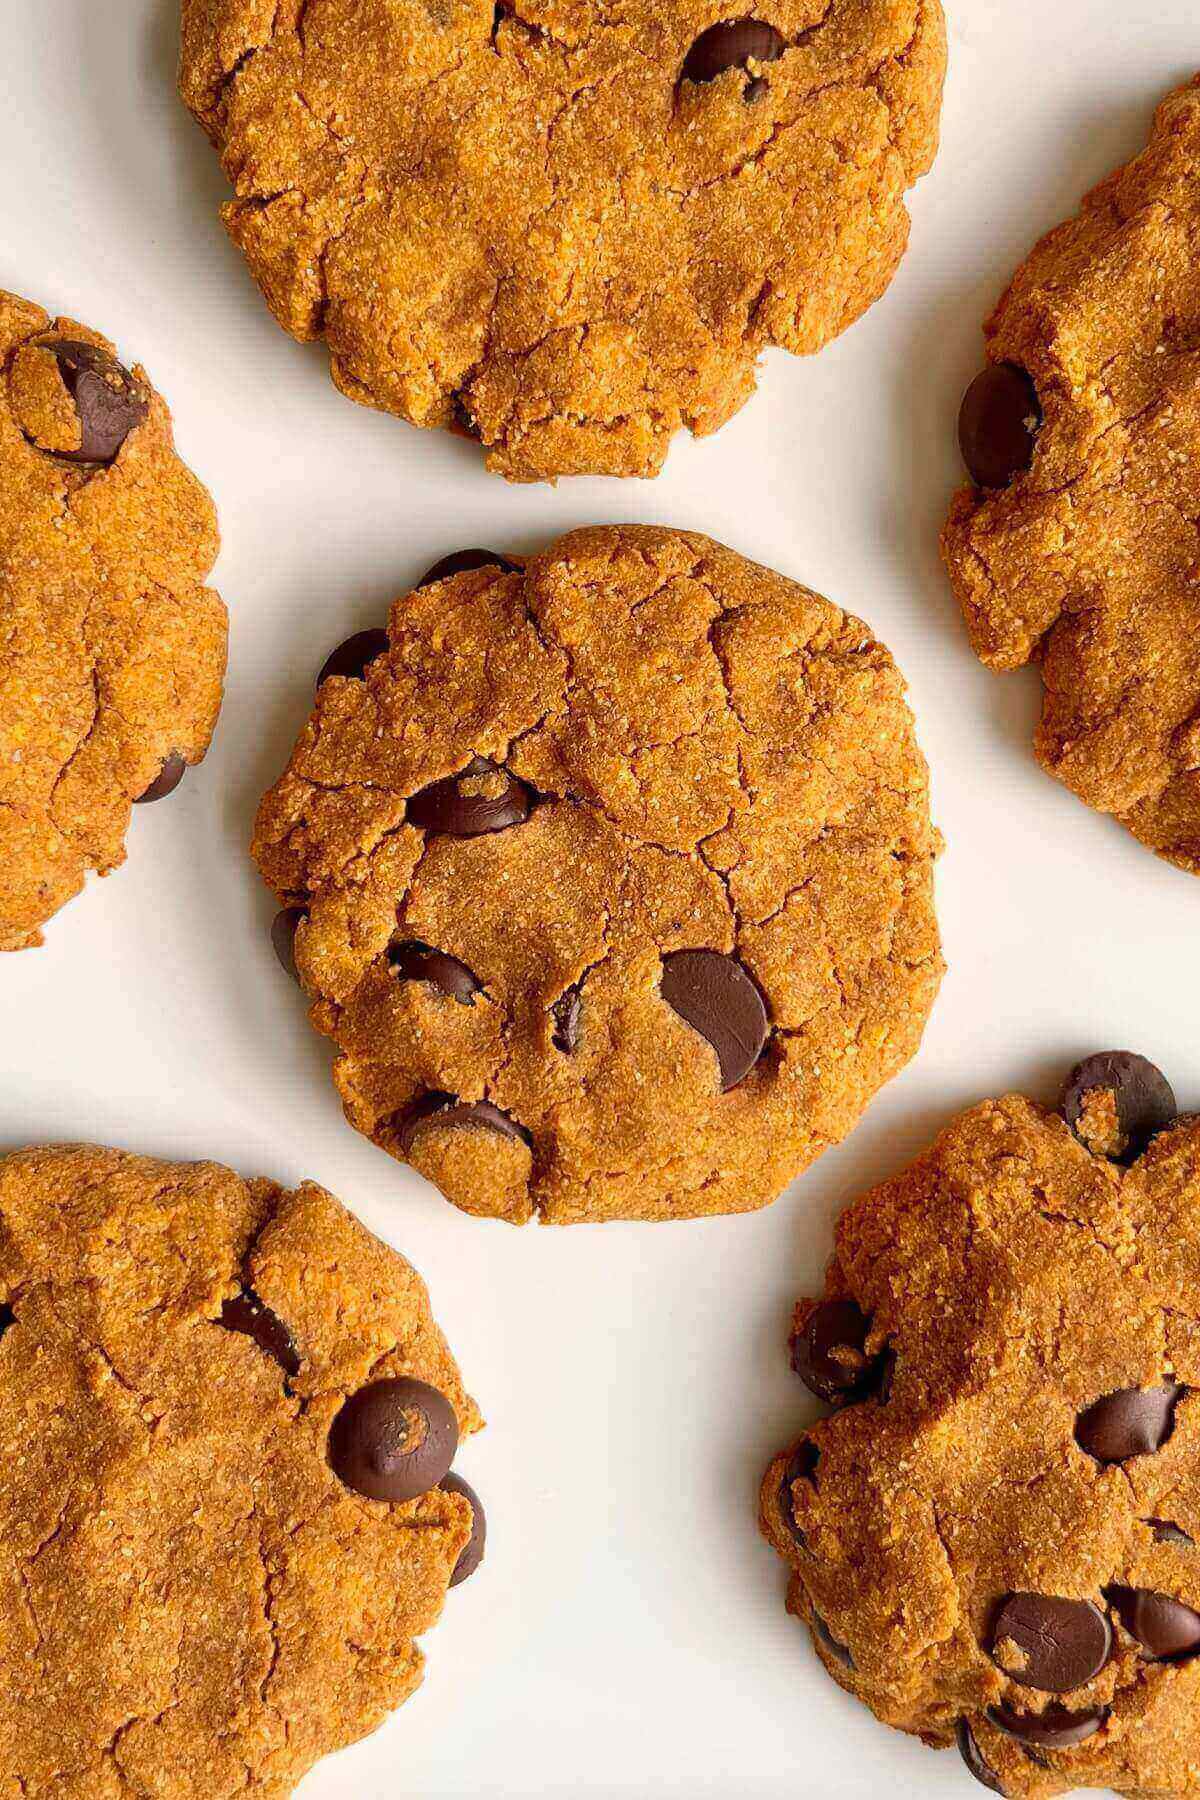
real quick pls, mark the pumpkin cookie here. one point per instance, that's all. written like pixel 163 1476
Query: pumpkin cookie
pixel 563 228
pixel 226 1424
pixel 112 652
pixel 610 877
pixel 1076 548
pixel 992 1538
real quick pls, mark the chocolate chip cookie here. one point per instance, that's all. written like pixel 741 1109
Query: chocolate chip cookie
pixel 227 1420
pixel 563 229
pixel 992 1536
pixel 1076 547
pixel 112 651
pixel 610 877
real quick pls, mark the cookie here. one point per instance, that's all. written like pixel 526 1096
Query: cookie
pixel 1076 547
pixel 112 651
pixel 992 1534
pixel 226 1424
pixel 561 229
pixel 610 877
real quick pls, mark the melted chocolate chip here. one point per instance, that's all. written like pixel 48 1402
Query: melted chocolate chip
pixel 250 1316
pixel 414 961
pixel 8 1318
pixel 1116 1102
pixel 829 1354
pixel 173 770
pixel 444 1109
pixel 714 994
pixel 1053 1729
pixel 283 938
pixel 460 562
pixel 998 425
pixel 833 1646
pixel 472 1556
pixel 565 1012
pixel 1166 1629
pixel 109 403
pixel 1054 1645
pixel 972 1755
pixel 483 797
pixel 801 1466
pixel 732 44
pixel 1131 1422
pixel 352 657
pixel 393 1440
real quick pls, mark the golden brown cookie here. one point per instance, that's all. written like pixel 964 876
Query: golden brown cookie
pixel 202 1380
pixel 112 652
pixel 1077 548
pixel 563 227
pixel 610 878
pixel 992 1538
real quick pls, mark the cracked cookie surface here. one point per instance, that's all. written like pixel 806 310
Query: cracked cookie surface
pixel 611 879
pixel 195 1604
pixel 566 227
pixel 1078 548
pixel 112 650
pixel 993 1536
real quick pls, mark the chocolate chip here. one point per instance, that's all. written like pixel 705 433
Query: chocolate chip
pixel 283 938
pixel 445 1109
pixel 1116 1102
pixel 250 1316
pixel 565 1013
pixel 483 797
pixel 732 44
pixel 109 403
pixel 173 770
pixel 1131 1422
pixel 1048 1643
pixel 7 1318
pixel 833 1646
pixel 801 1466
pixel 414 961
pixel 998 425
pixel 351 658
pixel 1167 1532
pixel 393 1440
pixel 1166 1629
pixel 472 1556
pixel 461 562
pixel 968 1749
pixel 715 995
pixel 1054 1729
pixel 829 1353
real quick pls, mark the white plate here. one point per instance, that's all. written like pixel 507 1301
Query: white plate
pixel 627 1636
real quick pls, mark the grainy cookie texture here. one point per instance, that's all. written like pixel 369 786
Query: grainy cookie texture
pixel 564 226
pixel 610 878
pixel 198 1599
pixel 112 651
pixel 993 1536
pixel 1077 548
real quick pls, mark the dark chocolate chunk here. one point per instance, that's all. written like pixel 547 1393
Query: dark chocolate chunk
pixel 833 1646
pixel 414 961
pixel 1167 1532
pixel 972 1755
pixel 732 44
pixel 829 1353
pixel 8 1318
pixel 1116 1102
pixel 353 656
pixel 459 562
pixel 445 1109
pixel 1054 1729
pixel 108 401
pixel 801 1466
pixel 393 1440
pixel 283 938
pixel 1054 1645
pixel 1166 1629
pixel 565 1013
pixel 483 797
pixel 173 770
pixel 998 425
pixel 716 996
pixel 250 1316
pixel 1131 1422
pixel 472 1556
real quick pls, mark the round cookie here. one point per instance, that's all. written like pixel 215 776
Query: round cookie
pixel 562 229
pixel 112 652
pixel 203 1383
pixel 610 877
pixel 993 1534
pixel 1076 549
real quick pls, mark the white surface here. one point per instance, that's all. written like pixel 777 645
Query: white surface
pixel 626 1636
